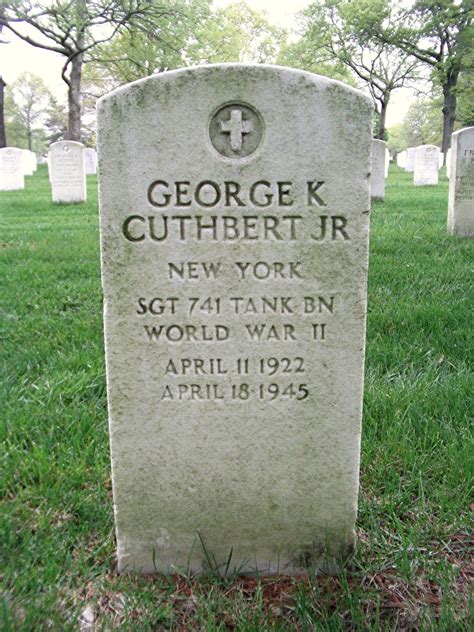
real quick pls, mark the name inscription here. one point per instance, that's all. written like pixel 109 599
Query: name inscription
pixel 181 214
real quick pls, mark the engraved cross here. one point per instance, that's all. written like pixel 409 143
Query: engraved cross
pixel 236 127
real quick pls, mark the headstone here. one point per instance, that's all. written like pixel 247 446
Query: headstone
pixel 90 161
pixel 387 161
pixel 448 162
pixel 28 160
pixel 461 184
pixel 234 206
pixel 377 176
pixel 410 159
pixel 11 169
pixel 440 160
pixel 426 165
pixel 402 159
pixel 67 175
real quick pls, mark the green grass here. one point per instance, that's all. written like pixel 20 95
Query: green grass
pixel 413 565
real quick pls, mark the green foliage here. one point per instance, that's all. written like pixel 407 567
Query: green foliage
pixel 337 34
pixel 396 138
pixel 440 34
pixel 25 103
pixel 236 33
pixel 160 43
pixel 423 124
pixel 465 98
pixel 411 567
pixel 306 54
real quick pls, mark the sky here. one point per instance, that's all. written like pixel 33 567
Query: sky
pixel 18 57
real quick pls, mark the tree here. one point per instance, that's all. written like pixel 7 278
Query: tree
pixel 230 34
pixel 423 123
pixel 3 138
pixel 74 28
pixel 305 53
pixel 30 97
pixel 236 33
pixel 156 46
pixel 341 30
pixel 440 34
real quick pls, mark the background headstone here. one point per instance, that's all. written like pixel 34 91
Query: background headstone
pixel 387 161
pixel 410 159
pixel 90 161
pixel 448 162
pixel 426 165
pixel 28 162
pixel 461 184
pixel 402 159
pixel 66 171
pixel 377 176
pixel 440 159
pixel 234 265
pixel 11 169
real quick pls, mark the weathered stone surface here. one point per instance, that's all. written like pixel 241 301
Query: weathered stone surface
pixel 461 184
pixel 90 161
pixel 426 165
pixel 402 159
pixel 11 169
pixel 66 171
pixel 448 163
pixel 410 159
pixel 234 214
pixel 377 177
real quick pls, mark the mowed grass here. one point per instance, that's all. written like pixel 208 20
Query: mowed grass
pixel 413 565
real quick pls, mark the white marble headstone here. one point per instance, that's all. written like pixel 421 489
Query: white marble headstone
pixel 402 159
pixel 410 159
pixel 426 165
pixel 11 169
pixel 387 161
pixel 90 161
pixel 28 162
pixel 66 171
pixel 448 162
pixel 234 215
pixel 377 176
pixel 461 184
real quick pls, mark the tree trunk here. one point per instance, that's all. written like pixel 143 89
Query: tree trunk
pixel 3 137
pixel 74 100
pixel 449 112
pixel 382 117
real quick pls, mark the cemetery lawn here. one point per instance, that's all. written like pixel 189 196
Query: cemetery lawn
pixel 413 566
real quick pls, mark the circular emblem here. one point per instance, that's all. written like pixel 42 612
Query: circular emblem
pixel 66 148
pixel 236 130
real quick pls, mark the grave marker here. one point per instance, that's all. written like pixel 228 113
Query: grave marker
pixel 402 159
pixel 234 213
pixel 426 165
pixel 66 171
pixel 90 161
pixel 377 176
pixel 448 162
pixel 11 169
pixel 461 184
pixel 410 159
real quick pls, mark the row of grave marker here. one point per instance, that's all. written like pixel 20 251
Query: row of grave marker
pixel 68 164
pixel 425 162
